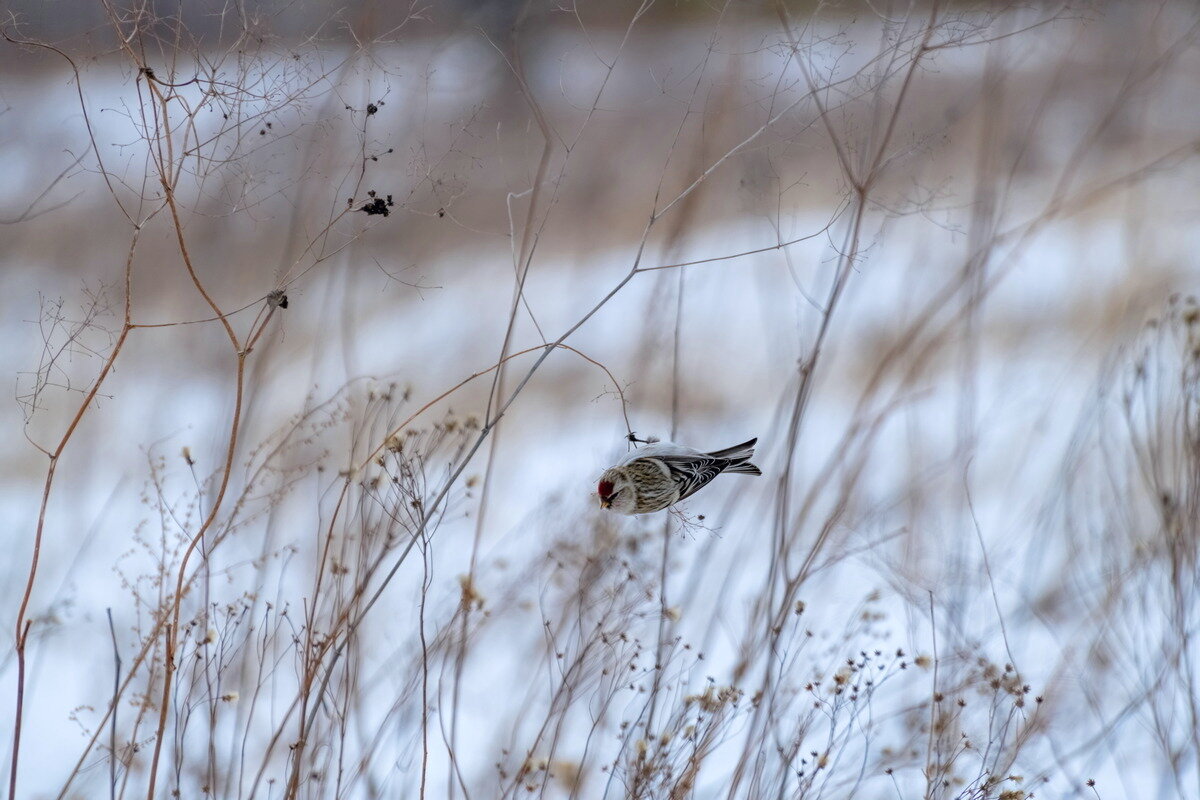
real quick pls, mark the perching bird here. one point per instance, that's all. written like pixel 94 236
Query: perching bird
pixel 659 475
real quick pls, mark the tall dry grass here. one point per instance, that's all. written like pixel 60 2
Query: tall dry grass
pixel 327 601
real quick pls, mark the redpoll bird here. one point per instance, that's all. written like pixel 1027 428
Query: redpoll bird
pixel 659 475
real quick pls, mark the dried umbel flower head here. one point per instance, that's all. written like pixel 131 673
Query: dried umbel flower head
pixel 715 698
pixel 470 595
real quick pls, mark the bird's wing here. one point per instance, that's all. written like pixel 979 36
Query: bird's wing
pixel 691 472
pixel 661 450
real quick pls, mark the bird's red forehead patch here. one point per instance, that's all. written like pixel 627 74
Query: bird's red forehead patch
pixel 605 488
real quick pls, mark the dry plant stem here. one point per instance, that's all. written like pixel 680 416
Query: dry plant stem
pixel 850 251
pixel 412 417
pixel 312 663
pixel 987 568
pixel 29 214
pixel 424 671
pixel 23 624
pixel 849 255
pixel 524 262
pixel 87 120
pixel 931 760
pixel 148 644
pixel 685 213
pixel 663 603
pixel 112 731
pixel 837 214
pixel 176 601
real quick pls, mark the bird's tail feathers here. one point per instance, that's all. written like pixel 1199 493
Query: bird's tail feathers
pixel 745 468
pixel 743 450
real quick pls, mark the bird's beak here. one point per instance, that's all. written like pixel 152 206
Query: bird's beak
pixel 605 502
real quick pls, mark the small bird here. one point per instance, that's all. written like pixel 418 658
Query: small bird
pixel 661 474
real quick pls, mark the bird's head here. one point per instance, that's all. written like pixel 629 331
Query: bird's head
pixel 616 491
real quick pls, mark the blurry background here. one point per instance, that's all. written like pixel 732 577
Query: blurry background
pixel 937 257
